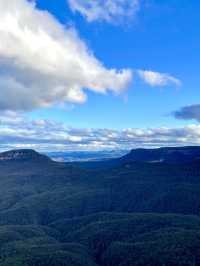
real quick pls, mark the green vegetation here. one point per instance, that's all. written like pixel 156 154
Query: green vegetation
pixel 136 213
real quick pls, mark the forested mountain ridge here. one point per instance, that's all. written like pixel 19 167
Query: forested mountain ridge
pixel 140 211
pixel 170 155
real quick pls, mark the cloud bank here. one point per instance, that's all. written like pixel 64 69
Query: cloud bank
pixel 188 112
pixel 112 11
pixel 42 62
pixel 17 131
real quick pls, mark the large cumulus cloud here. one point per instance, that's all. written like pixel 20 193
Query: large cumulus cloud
pixel 42 62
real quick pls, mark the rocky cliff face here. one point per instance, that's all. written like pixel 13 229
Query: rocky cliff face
pixel 18 155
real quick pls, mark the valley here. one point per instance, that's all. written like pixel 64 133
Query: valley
pixel 136 210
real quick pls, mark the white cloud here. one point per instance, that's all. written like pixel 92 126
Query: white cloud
pixel 105 10
pixel 49 135
pixel 43 63
pixel 153 78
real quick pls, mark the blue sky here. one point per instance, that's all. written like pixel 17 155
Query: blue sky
pixel 163 37
pixel 152 47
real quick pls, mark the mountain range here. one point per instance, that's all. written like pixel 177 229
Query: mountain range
pixel 140 209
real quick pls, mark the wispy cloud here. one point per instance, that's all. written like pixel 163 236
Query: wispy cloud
pixel 112 11
pixel 48 135
pixel 43 63
pixel 188 112
pixel 153 78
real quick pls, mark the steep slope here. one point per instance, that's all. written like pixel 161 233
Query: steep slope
pixel 38 192
pixel 59 214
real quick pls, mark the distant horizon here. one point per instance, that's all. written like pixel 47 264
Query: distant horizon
pixel 97 151
pixel 96 156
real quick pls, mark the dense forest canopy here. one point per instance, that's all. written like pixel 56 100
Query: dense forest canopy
pixel 140 209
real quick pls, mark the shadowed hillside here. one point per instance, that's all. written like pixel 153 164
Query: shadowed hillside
pixel 141 211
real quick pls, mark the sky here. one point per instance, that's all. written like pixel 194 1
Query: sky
pixel 99 74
